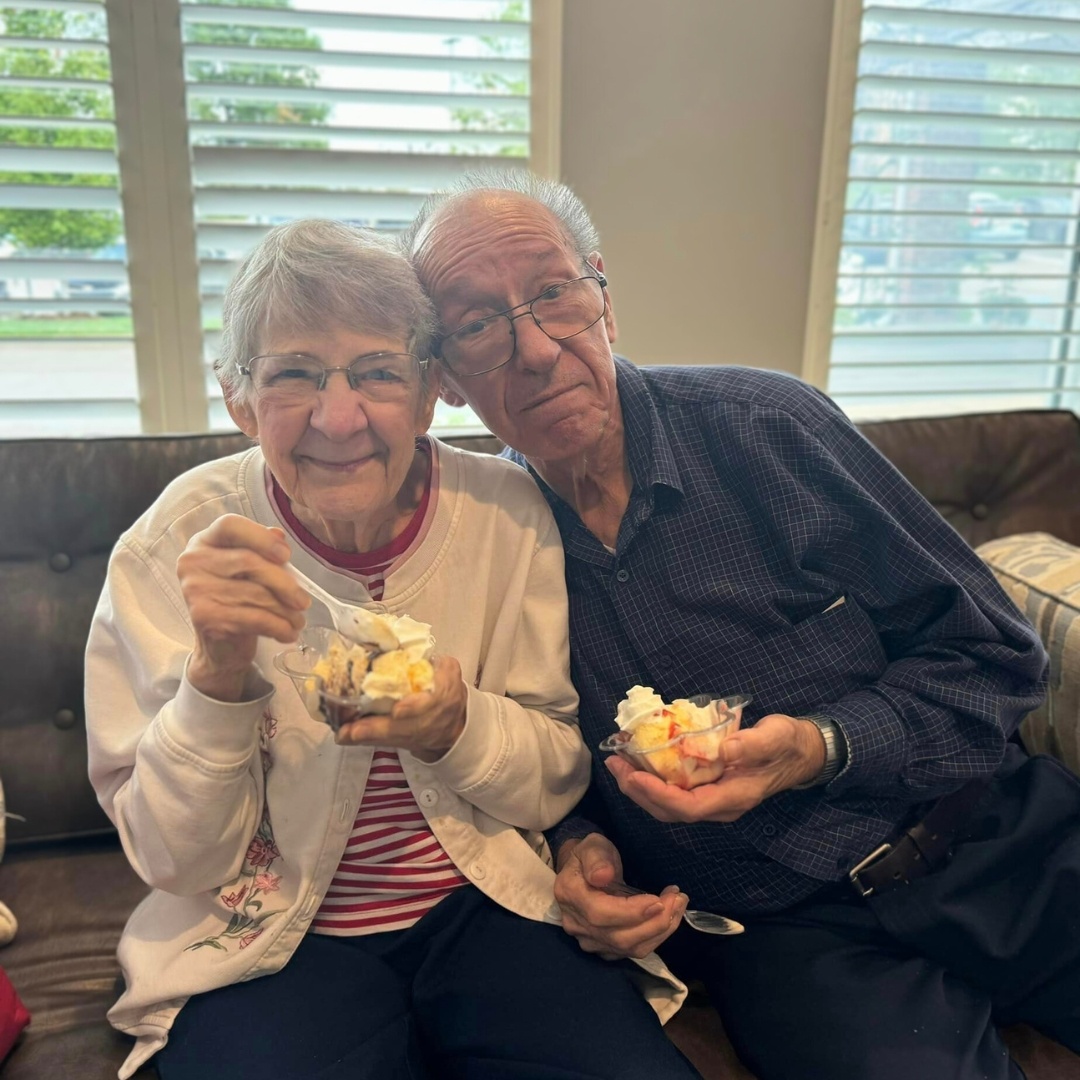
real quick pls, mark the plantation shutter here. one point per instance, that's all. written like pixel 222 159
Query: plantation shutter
pixel 352 109
pixel 67 362
pixel 347 110
pixel 957 284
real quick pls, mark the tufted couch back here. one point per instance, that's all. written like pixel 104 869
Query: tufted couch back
pixel 65 501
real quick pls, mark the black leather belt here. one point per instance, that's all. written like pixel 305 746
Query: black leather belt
pixel 920 850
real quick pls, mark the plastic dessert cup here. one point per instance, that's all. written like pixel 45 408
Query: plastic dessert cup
pixel 690 758
pixel 299 664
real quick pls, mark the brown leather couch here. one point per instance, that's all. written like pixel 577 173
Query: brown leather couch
pixel 64 504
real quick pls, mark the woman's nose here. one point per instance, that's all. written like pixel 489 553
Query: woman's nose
pixel 339 409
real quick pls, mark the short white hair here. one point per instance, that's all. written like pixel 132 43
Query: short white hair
pixel 558 199
pixel 313 273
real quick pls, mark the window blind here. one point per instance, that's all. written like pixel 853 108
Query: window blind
pixel 66 355
pixel 349 110
pixel 958 272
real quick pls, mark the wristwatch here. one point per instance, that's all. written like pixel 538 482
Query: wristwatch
pixel 836 750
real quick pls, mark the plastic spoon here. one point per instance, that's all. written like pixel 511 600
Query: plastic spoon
pixel 705 921
pixel 356 623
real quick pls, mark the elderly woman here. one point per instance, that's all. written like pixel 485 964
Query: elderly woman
pixel 391 881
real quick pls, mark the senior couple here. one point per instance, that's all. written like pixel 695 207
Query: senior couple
pixel 384 903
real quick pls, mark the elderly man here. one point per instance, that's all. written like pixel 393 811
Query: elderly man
pixel 904 871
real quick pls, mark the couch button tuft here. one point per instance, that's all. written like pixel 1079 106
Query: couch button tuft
pixel 980 511
pixel 60 561
pixel 65 719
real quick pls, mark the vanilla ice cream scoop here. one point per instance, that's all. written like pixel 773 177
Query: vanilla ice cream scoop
pixel 339 677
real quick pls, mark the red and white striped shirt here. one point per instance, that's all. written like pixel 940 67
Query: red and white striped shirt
pixel 394 870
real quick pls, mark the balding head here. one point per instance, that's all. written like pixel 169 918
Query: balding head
pixel 482 193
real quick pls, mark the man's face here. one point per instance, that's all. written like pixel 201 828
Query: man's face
pixel 491 251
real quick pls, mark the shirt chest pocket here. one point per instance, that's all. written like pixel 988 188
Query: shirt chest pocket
pixel 819 659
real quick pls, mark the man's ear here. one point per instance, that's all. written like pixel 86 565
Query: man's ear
pixel 243 415
pixel 596 260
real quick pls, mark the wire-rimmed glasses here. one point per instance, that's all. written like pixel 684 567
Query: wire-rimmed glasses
pixel 561 311
pixel 296 378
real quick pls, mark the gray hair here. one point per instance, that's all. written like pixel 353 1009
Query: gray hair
pixel 311 273
pixel 555 197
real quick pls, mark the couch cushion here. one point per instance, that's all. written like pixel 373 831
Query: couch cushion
pixel 991 474
pixel 73 901
pixel 1042 575
pixel 65 503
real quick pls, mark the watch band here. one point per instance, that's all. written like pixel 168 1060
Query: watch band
pixel 835 750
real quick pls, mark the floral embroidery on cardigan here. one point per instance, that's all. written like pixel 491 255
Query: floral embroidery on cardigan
pixel 244 896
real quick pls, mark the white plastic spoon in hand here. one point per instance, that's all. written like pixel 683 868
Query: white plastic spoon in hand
pixel 705 921
pixel 355 623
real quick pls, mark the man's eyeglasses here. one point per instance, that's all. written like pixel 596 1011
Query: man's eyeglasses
pixel 296 378
pixel 561 311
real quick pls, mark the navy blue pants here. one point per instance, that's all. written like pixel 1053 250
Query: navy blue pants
pixel 911 985
pixel 471 992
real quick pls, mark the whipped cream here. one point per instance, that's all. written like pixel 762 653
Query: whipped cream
pixel 641 703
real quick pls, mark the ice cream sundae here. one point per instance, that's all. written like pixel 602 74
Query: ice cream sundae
pixel 680 741
pixel 340 678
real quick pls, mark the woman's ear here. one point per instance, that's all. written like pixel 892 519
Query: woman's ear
pixel 451 396
pixel 430 395
pixel 243 415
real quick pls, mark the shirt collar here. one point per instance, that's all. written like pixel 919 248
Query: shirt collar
pixel 649 454
pixel 648 449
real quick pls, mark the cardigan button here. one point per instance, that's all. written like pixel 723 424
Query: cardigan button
pixel 478 870
pixel 428 797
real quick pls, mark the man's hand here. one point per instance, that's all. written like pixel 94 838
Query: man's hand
pixel 779 752
pixel 427 724
pixel 613 926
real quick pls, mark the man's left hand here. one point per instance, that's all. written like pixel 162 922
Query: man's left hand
pixel 779 752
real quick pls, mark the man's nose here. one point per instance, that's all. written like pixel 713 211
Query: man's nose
pixel 534 350
pixel 339 409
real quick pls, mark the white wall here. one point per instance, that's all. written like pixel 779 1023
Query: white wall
pixel 692 130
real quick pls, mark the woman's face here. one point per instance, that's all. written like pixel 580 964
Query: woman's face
pixel 339 457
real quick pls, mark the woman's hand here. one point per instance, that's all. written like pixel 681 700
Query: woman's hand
pixel 233 581
pixel 427 724
pixel 779 752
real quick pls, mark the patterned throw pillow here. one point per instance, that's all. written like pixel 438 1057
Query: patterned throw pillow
pixel 1042 576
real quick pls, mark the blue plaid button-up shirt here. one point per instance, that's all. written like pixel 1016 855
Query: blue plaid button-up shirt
pixel 756 507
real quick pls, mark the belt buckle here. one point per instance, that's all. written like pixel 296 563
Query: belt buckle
pixel 858 868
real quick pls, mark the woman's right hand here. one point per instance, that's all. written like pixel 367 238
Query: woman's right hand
pixel 233 580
